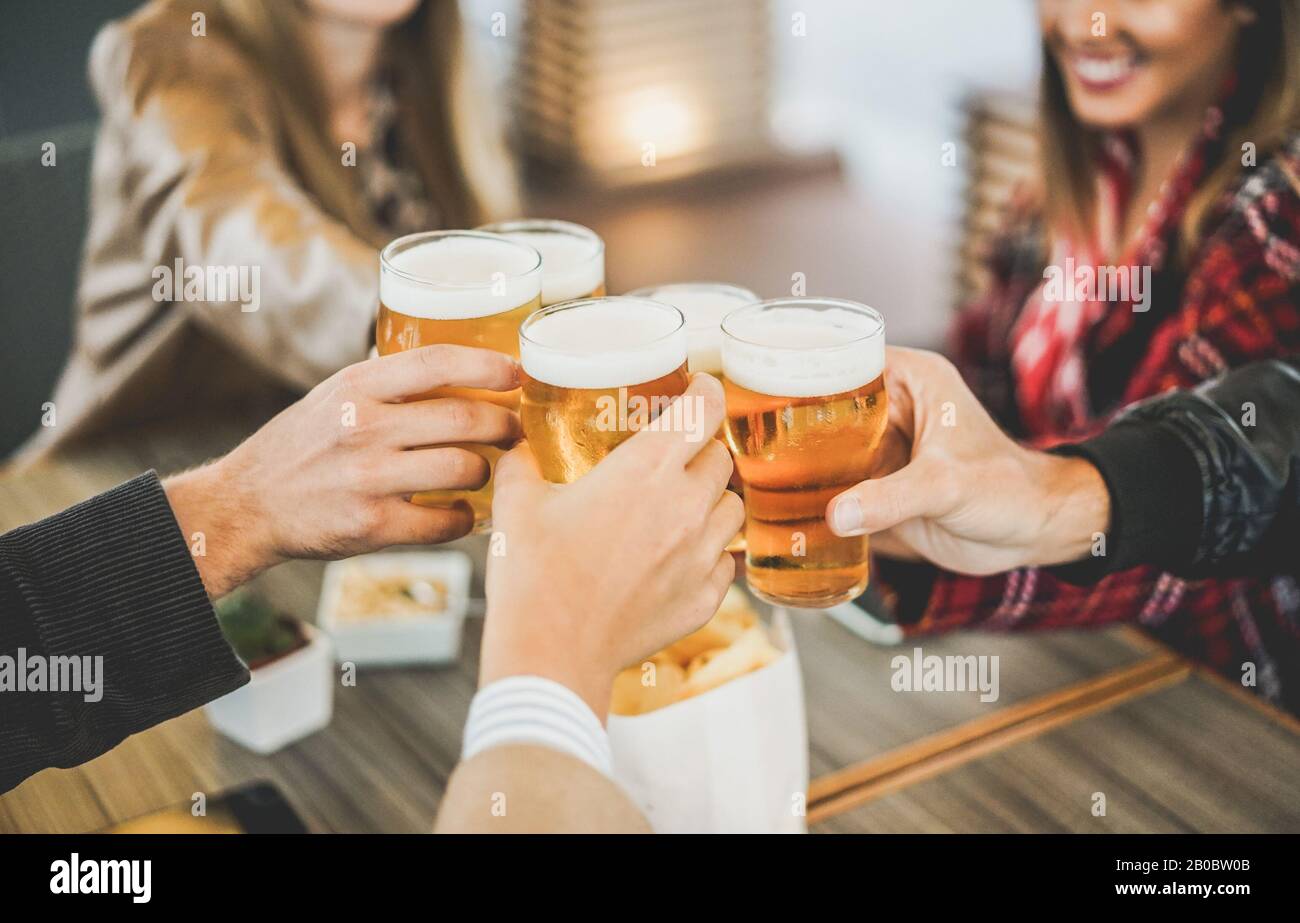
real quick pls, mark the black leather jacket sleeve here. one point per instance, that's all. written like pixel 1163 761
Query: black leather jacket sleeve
pixel 1205 482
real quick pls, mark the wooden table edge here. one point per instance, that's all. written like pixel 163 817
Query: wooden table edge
pixel 937 753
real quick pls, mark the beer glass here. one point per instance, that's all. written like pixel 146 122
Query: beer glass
pixel 573 257
pixel 595 371
pixel 806 410
pixel 704 304
pixel 463 288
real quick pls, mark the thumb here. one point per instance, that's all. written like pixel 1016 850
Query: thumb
pixel 517 472
pixel 882 503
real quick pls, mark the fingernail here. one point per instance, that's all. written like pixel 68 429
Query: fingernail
pixel 846 516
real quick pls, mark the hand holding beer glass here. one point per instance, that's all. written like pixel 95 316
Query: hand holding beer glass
pixel 605 571
pixel 462 288
pixel 704 305
pixel 806 410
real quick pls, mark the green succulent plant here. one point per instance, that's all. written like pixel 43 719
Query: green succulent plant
pixel 257 632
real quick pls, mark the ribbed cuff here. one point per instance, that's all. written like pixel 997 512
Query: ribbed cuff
pixel 535 710
pixel 1155 499
pixel 113 577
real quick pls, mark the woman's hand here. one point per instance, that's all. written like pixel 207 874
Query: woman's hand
pixel 329 476
pixel 951 487
pixel 585 578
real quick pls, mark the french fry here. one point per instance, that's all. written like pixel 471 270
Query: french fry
pixel 732 643
pixel 638 689
pixel 733 617
pixel 751 651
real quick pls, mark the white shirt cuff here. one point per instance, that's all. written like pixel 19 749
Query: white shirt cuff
pixel 535 710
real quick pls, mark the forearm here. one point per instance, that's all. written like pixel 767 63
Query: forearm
pixel 108 588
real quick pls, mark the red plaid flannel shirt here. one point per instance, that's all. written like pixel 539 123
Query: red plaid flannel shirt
pixel 1237 303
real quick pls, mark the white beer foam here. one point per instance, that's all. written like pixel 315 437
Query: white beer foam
pixel 803 352
pixel 704 304
pixel 572 267
pixel 609 344
pixel 465 277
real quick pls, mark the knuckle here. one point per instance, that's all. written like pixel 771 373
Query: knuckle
pixel 351 471
pixel 348 380
pixel 685 528
pixel 370 519
pixel 434 356
pixel 726 572
pixel 714 402
pixel 357 432
pixel 435 360
pixel 468 467
pixel 718 455
pixel 733 507
pixel 459 416
pixel 890 504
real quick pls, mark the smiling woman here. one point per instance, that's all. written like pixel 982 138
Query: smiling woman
pixel 1170 143
pixel 1159 64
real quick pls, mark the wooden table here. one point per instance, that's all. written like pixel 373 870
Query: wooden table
pixel 1078 713
pixel 1109 711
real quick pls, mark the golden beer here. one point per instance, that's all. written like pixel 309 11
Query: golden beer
pixel 462 288
pixel 595 372
pixel 573 256
pixel 704 305
pixel 806 409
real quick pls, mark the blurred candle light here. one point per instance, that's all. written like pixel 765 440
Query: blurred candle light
pixel 662 117
pixel 614 88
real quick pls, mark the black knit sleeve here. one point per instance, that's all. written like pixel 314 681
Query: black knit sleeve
pixel 1205 483
pixel 105 630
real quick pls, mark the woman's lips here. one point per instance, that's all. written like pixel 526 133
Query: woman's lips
pixel 1099 73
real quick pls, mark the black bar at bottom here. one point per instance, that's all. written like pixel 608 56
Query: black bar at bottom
pixel 992 872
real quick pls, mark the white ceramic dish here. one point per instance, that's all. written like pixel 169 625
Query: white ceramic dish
pixel 403 640
pixel 285 701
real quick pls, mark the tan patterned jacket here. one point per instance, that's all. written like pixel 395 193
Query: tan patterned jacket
pixel 194 175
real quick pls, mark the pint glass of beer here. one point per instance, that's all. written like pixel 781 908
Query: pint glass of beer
pixel 806 409
pixel 704 304
pixel 573 257
pixel 463 288
pixel 596 371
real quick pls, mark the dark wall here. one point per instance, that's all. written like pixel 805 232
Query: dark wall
pixel 43 47
pixel 43 98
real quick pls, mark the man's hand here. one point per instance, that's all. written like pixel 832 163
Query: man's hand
pixel 329 477
pixel 592 575
pixel 952 488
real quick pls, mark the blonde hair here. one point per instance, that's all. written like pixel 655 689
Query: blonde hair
pixel 1268 74
pixel 448 136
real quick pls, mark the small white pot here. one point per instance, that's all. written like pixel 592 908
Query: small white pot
pixel 408 640
pixel 285 701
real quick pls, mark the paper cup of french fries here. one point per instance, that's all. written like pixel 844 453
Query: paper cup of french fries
pixel 709 734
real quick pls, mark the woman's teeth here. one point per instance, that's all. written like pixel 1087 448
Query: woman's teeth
pixel 1093 69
